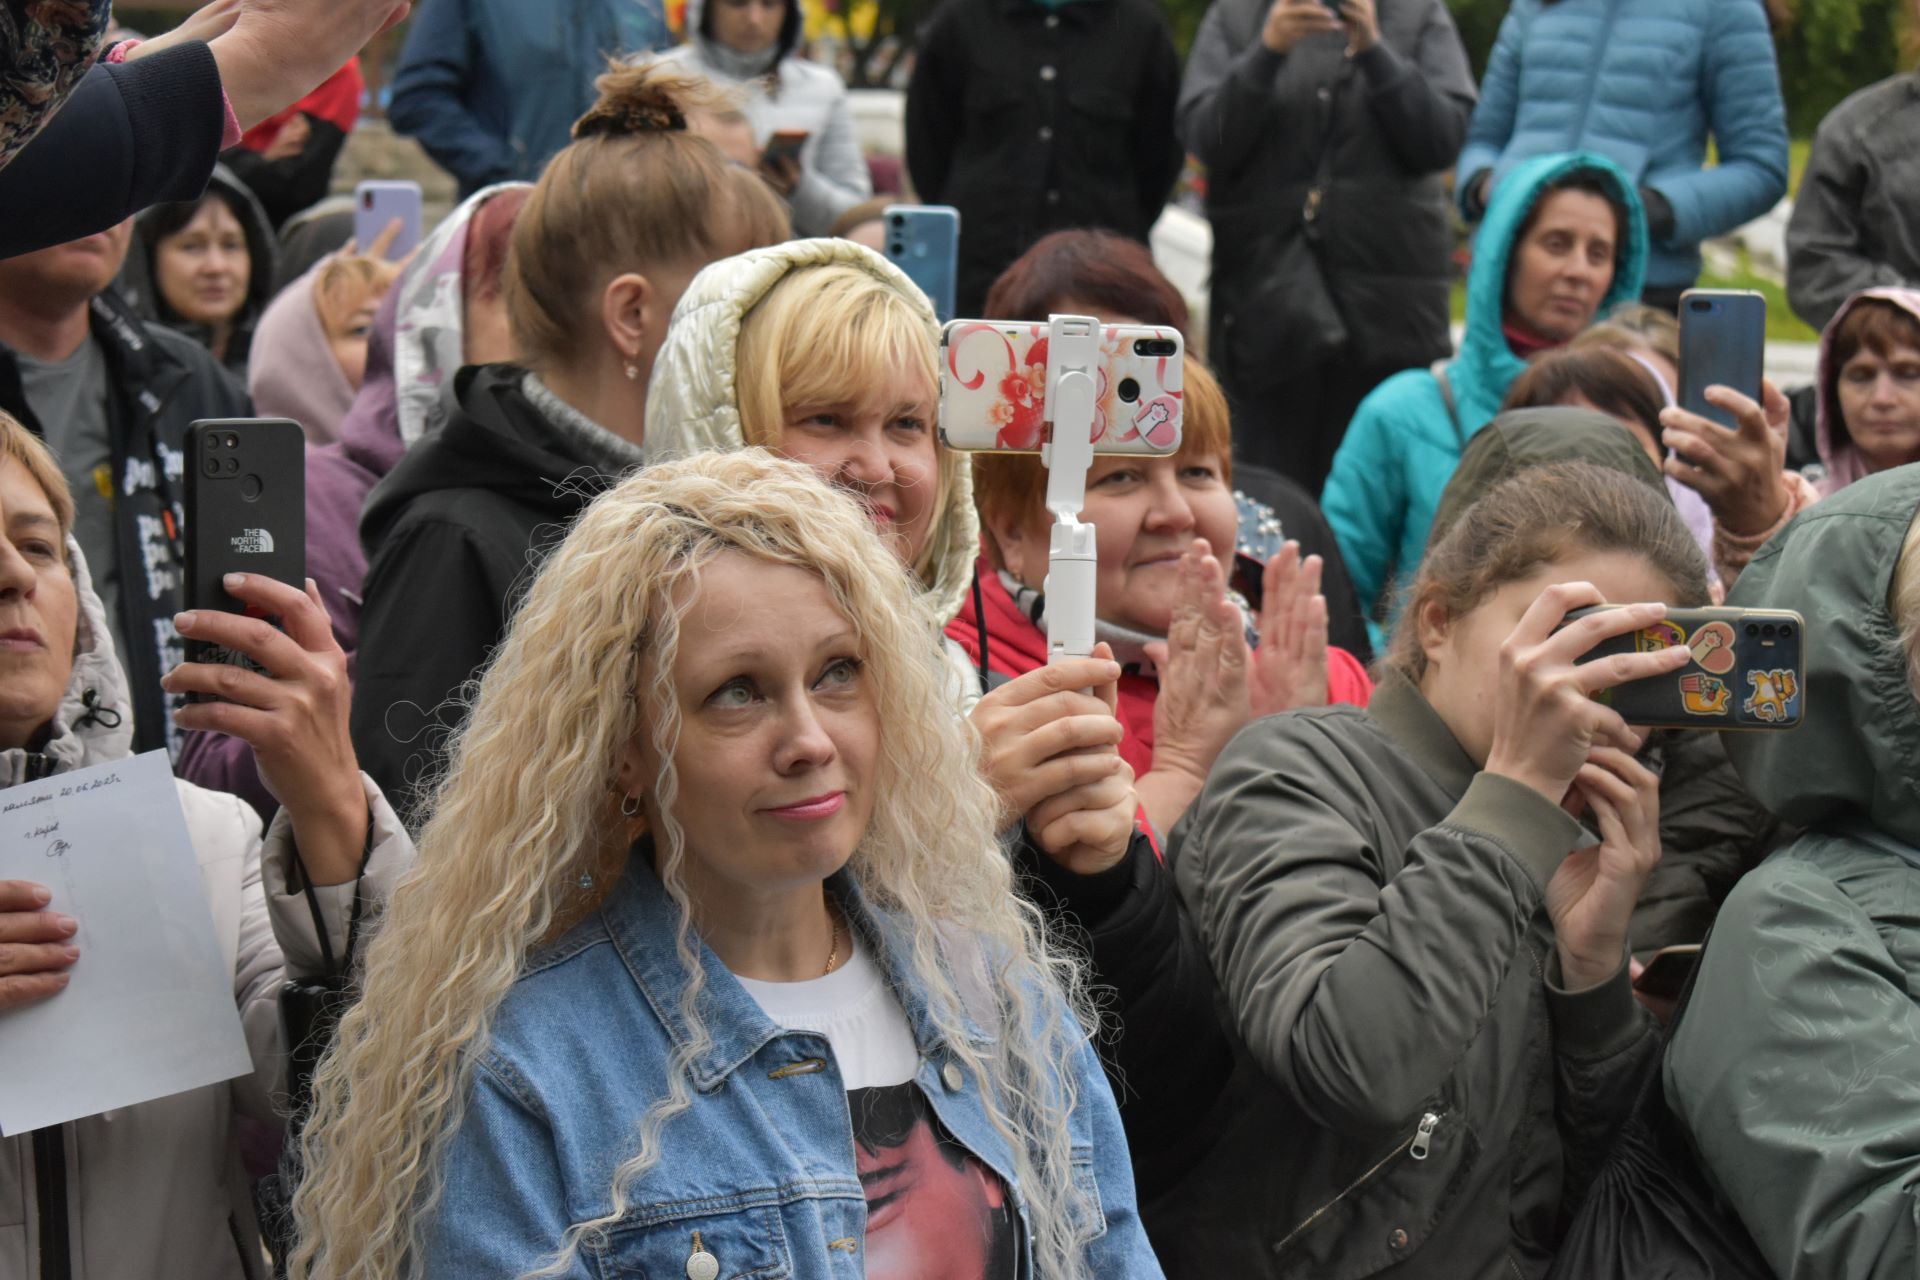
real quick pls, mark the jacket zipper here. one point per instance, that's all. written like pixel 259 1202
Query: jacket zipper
pixel 50 1201
pixel 1418 1144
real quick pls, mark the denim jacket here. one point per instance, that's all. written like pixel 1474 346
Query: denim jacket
pixel 760 1171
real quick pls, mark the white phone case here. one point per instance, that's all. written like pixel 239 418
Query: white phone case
pixel 993 388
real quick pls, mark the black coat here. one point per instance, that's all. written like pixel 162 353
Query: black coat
pixel 159 384
pixel 1387 123
pixel 133 134
pixel 454 536
pixel 1032 120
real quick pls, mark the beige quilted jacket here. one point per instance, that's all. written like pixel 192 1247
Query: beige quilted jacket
pixel 692 403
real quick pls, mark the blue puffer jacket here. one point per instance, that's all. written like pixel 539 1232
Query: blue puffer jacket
pixel 491 88
pixel 1404 443
pixel 1642 82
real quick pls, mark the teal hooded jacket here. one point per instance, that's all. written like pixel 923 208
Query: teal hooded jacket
pixel 1403 443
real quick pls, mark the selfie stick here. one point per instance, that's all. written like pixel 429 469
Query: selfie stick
pixel 1073 348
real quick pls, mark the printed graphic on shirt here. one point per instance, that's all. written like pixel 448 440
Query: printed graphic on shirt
pixel 934 1212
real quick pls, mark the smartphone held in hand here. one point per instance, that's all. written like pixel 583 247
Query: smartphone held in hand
pixel 993 388
pixel 923 240
pixel 1748 670
pixel 1723 342
pixel 246 499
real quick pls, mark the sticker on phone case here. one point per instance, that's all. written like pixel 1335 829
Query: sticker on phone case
pixel 1154 423
pixel 1661 635
pixel 1704 696
pixel 1774 696
pixel 1712 648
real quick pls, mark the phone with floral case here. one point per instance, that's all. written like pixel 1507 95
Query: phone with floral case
pixel 993 388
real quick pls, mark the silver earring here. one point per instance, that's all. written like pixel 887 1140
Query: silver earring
pixel 630 806
pixel 633 373
pixel 586 880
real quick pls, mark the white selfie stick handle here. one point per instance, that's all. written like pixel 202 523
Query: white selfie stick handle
pixel 1073 347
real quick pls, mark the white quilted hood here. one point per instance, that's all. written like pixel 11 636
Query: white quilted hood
pixel 693 404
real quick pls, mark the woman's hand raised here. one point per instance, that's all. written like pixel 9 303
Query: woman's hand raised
pixel 1591 897
pixel 294 716
pixel 1740 473
pixel 1202 664
pixel 1546 723
pixel 1290 667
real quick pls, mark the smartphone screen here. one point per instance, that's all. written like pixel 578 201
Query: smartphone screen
pixel 246 500
pixel 1723 342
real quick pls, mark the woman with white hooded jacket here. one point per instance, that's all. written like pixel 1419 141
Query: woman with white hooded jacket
pixel 748 46
pixel 156 1190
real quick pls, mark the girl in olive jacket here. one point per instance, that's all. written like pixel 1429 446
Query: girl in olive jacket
pixel 1423 952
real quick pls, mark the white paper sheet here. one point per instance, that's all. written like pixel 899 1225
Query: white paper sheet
pixel 150 1009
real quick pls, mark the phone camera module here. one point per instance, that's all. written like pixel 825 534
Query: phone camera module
pixel 1129 390
pixel 1700 306
pixel 1154 347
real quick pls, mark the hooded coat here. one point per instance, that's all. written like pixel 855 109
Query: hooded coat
pixel 693 401
pixel 781 90
pixel 1642 82
pixel 1711 831
pixel 454 537
pixel 1408 434
pixel 142 285
pixel 1838 454
pixel 413 352
pixel 297 375
pixel 158 1188
pixel 1796 1067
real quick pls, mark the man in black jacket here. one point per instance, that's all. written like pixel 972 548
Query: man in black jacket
pixel 1324 137
pixel 114 397
pixel 1030 116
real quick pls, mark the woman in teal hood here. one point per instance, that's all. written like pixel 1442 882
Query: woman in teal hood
pixel 1563 240
pixel 1797 1064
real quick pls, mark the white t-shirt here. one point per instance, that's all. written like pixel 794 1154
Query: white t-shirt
pixel 855 1009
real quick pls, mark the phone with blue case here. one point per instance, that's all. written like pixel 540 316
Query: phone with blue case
pixel 1723 342
pixel 923 240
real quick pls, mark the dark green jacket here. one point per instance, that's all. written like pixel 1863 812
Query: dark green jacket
pixel 1797 1066
pixel 1418 1094
pixel 1711 831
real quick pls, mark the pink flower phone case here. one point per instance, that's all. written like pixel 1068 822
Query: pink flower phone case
pixel 993 388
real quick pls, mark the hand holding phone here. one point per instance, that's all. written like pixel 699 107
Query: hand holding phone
pixel 1745 670
pixel 376 204
pixel 1741 473
pixel 1723 342
pixel 1290 21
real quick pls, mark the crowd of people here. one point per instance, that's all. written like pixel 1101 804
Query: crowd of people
pixel 664 770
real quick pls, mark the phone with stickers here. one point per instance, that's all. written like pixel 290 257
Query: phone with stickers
pixel 1747 670
pixel 993 388
pixel 246 500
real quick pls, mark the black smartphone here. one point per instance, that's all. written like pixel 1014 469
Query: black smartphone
pixel 1666 973
pixel 246 491
pixel 1723 342
pixel 1747 672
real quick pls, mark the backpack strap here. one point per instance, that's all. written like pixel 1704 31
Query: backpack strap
pixel 1439 372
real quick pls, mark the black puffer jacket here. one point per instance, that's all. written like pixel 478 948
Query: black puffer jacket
pixel 1391 121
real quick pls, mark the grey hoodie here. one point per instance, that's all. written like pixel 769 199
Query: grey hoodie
pixel 157 1189
pixel 1797 1065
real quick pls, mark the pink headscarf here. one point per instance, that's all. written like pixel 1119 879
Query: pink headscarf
pixel 292 372
pixel 1843 460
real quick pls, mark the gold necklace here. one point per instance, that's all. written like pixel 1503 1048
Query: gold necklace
pixel 833 951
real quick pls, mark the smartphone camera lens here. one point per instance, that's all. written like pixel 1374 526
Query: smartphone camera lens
pixel 895 249
pixel 1154 347
pixel 1700 306
pixel 1785 631
pixel 1129 390
pixel 898 219
pixel 213 466
pixel 1767 631
pixel 233 465
pixel 1753 628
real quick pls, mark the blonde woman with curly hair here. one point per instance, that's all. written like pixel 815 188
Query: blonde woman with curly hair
pixel 710 965
pixel 825 352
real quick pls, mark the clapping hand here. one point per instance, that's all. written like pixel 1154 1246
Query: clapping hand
pixel 1289 669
